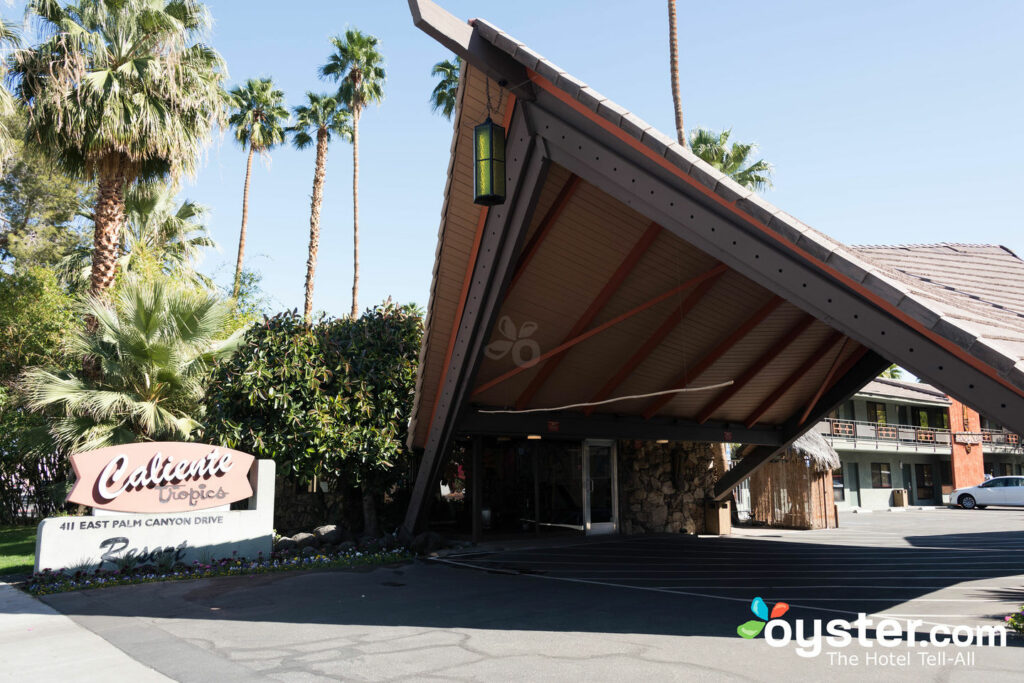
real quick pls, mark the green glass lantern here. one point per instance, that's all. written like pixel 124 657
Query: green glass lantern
pixel 489 156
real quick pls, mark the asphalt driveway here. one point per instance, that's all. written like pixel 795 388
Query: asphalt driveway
pixel 660 607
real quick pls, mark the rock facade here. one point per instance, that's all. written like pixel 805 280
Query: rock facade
pixel 662 487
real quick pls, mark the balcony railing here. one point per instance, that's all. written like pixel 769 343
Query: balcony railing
pixel 855 430
pixel 997 437
pixel 885 434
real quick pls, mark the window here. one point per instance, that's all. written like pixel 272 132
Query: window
pixel 1007 469
pixel 881 475
pixel 928 417
pixel 995 483
pixel 876 412
pixel 838 491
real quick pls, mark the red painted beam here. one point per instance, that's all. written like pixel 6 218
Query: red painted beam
pixel 834 374
pixel 719 350
pixel 652 342
pixel 757 366
pixel 544 228
pixel 793 378
pixel 599 302
pixel 689 284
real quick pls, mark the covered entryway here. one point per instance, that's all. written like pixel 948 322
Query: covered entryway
pixel 661 302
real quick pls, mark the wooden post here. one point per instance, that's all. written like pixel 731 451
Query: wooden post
pixel 476 488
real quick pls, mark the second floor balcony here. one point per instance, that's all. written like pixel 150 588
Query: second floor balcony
pixel 859 435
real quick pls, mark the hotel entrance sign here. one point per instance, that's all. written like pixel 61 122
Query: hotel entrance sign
pixel 161 501
pixel 160 477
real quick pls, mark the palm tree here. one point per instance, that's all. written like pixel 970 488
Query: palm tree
pixel 120 92
pixel 160 237
pixel 155 343
pixel 258 118
pixel 732 160
pixel 322 117
pixel 9 38
pixel 673 54
pixel 892 372
pixel 359 67
pixel 443 97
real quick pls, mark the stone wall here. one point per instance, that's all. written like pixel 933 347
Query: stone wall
pixel 662 487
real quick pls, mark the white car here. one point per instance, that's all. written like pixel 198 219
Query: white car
pixel 996 491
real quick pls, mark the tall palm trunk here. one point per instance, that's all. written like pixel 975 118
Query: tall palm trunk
pixel 245 220
pixel 355 212
pixel 673 47
pixel 109 217
pixel 314 218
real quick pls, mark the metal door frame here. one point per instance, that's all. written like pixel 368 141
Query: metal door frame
pixel 601 527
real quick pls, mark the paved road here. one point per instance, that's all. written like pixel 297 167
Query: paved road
pixel 935 565
pixel 658 607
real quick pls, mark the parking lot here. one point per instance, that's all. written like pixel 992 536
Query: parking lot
pixel 602 609
pixel 941 565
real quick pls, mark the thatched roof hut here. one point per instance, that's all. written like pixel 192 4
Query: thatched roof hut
pixel 813 445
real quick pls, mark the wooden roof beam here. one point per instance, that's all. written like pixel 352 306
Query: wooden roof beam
pixel 607 291
pixel 834 372
pixel 640 355
pixel 859 369
pixel 793 378
pixel 757 366
pixel 544 227
pixel 719 350
pixel 689 284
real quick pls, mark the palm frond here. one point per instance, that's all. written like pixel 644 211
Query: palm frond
pixel 155 342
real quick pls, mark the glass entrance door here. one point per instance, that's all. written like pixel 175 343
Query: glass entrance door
pixel 600 487
pixel 924 483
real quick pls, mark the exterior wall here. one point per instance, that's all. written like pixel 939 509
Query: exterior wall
pixel 789 493
pixel 864 495
pixel 662 487
pixel 968 460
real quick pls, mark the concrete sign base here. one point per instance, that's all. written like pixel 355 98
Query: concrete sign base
pixel 100 541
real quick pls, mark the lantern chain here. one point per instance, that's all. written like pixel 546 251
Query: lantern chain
pixel 487 88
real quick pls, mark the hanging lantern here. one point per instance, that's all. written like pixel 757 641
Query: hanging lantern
pixel 489 155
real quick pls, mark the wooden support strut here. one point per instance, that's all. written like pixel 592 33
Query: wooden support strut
pixel 583 322
pixel 831 374
pixel 756 367
pixel 692 282
pixel 793 378
pixel 865 366
pixel 503 236
pixel 640 355
pixel 544 227
pixel 719 350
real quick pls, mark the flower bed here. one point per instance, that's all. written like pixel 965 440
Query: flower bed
pixel 1016 621
pixel 48 582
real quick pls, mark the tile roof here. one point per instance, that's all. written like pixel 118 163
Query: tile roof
pixel 979 314
pixel 904 391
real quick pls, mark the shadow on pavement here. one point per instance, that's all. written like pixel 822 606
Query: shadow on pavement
pixel 667 585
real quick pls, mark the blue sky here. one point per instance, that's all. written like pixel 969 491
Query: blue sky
pixel 887 122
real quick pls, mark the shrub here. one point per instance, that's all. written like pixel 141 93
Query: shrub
pixel 330 402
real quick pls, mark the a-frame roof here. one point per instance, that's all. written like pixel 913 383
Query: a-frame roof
pixel 630 267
